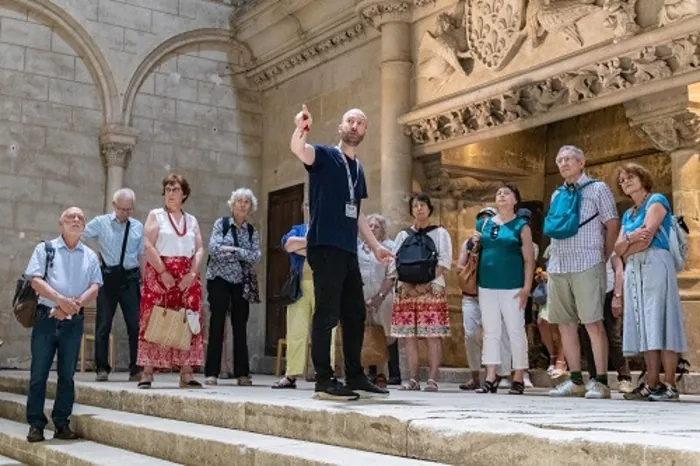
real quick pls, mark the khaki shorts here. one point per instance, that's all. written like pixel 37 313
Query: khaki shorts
pixel 577 297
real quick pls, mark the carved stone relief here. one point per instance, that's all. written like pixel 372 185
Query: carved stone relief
pixel 648 64
pixel 545 16
pixel 621 18
pixel 310 53
pixel 676 10
pixel 440 53
pixel 375 11
pixel 493 30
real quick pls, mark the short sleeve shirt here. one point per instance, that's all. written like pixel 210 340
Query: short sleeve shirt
pixel 587 248
pixel 329 194
pixel 632 222
pixel 501 263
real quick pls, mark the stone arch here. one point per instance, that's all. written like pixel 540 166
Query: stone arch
pixel 87 48
pixel 194 37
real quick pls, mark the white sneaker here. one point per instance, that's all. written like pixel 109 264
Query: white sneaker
pixel 625 386
pixel 597 391
pixel 527 381
pixel 210 381
pixel 568 389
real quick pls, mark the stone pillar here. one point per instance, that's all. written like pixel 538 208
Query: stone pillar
pixel 393 18
pixel 116 145
pixel 671 122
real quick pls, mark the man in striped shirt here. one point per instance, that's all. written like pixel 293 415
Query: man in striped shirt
pixel 577 274
pixel 120 241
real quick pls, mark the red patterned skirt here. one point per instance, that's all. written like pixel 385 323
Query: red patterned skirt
pixel 153 293
pixel 420 314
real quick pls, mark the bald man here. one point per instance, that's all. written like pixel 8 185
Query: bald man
pixel 336 189
pixel 71 279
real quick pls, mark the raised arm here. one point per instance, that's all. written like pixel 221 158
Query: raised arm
pixel 304 151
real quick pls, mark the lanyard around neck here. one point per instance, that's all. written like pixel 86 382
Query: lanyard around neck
pixel 351 185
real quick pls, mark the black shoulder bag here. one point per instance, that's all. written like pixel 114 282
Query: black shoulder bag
pixel 25 301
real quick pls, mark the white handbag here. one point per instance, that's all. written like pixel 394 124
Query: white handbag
pixel 193 321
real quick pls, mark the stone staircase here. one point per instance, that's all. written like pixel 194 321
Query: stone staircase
pixel 230 425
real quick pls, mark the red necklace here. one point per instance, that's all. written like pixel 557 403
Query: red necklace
pixel 172 223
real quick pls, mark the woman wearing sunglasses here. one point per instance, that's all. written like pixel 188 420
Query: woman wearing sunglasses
pixel 506 267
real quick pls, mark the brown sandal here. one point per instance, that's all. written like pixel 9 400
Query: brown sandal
pixel 431 386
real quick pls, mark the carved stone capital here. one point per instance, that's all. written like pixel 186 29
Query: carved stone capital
pixel 671 132
pixel 116 154
pixel 116 145
pixel 378 12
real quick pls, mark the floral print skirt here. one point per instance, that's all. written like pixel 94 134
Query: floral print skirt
pixel 420 311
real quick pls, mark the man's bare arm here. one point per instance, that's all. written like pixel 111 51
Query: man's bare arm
pixel 304 151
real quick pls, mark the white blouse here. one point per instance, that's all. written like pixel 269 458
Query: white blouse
pixel 443 243
pixel 169 244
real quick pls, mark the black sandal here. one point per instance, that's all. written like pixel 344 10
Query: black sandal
pixel 516 388
pixel 285 382
pixel 190 384
pixel 488 386
pixel 144 384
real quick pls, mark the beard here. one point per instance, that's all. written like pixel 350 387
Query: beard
pixel 351 139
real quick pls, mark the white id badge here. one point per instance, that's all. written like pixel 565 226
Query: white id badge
pixel 350 210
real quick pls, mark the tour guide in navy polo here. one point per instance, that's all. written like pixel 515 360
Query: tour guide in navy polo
pixel 120 241
pixel 72 280
pixel 336 189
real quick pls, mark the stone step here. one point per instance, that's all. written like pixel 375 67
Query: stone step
pixel 13 443
pixel 188 443
pixel 450 426
pixel 5 461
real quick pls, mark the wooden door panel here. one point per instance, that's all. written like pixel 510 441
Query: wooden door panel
pixel 284 211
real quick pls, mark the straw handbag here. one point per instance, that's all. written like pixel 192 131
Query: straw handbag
pixel 169 327
pixel 374 348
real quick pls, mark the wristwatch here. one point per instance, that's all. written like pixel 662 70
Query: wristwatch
pixel 382 295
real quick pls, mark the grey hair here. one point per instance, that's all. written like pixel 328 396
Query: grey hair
pixel 381 220
pixel 243 192
pixel 571 150
pixel 124 193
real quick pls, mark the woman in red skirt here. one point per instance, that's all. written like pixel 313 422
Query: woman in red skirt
pixel 173 246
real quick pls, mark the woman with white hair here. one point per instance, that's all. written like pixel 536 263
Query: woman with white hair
pixel 234 248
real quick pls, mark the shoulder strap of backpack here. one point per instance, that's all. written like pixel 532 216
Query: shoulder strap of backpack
pixel 430 228
pixel 251 230
pixel 50 251
pixel 225 225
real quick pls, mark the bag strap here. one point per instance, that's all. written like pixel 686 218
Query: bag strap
pixel 226 226
pixel 126 237
pixel 588 221
pixel 50 252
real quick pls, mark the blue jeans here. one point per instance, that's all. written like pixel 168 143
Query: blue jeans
pixel 50 336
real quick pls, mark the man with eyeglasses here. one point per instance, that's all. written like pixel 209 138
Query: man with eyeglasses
pixel 577 276
pixel 120 241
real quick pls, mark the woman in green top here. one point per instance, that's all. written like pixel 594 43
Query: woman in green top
pixel 506 267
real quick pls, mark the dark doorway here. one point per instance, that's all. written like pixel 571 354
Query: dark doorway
pixel 283 211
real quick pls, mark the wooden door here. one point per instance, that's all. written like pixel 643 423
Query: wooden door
pixel 283 211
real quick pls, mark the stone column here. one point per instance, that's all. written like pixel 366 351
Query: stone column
pixel 116 145
pixel 393 18
pixel 671 122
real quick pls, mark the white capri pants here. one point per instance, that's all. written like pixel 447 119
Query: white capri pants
pixel 471 316
pixel 501 315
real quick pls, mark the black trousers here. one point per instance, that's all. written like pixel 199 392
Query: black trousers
pixel 613 330
pixel 338 294
pixel 123 289
pixel 225 297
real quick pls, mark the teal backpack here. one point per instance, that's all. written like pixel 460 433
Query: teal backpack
pixel 563 219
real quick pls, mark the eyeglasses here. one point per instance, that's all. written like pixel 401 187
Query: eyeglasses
pixel 173 189
pixel 626 179
pixel 124 210
pixel 494 231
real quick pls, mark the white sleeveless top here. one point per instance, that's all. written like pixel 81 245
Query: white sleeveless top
pixel 169 244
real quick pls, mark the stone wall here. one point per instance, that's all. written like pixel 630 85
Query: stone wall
pixel 70 68
pixel 49 151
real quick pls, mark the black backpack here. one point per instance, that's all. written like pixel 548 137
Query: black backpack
pixel 417 258
pixel 26 300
